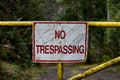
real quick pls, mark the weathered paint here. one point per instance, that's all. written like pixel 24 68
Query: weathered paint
pixel 16 23
pixel 95 69
pixel 60 42
pixel 60 71
pixel 104 24
pixel 90 23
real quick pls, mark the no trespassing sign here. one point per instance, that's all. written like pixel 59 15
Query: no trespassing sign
pixel 64 42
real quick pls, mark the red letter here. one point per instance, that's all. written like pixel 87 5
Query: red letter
pixel 63 34
pixel 56 48
pixel 52 51
pixel 42 49
pixel 81 49
pixel 65 49
pixel 57 34
pixel 69 49
pixel 37 48
pixel 46 49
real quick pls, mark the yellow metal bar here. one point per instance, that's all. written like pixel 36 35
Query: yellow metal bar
pixel 95 69
pixel 29 23
pixel 16 23
pixel 60 71
pixel 104 24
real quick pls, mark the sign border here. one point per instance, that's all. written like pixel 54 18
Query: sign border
pixel 58 22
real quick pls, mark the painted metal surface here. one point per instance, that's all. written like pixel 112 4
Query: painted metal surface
pixel 104 24
pixel 15 23
pixel 30 23
pixel 95 69
pixel 60 42
pixel 60 71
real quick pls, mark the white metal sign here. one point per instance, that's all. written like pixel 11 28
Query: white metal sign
pixel 59 42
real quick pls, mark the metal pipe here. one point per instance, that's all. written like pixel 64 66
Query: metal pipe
pixel 95 69
pixel 104 24
pixel 16 23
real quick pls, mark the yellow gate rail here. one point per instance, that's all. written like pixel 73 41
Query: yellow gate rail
pixel 16 23
pixel 30 23
pixel 104 24
pixel 95 69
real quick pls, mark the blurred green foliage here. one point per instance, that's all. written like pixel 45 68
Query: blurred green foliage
pixel 104 43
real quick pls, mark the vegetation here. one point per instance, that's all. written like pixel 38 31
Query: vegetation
pixel 12 71
pixel 16 42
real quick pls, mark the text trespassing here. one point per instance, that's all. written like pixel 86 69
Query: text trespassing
pixel 60 49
